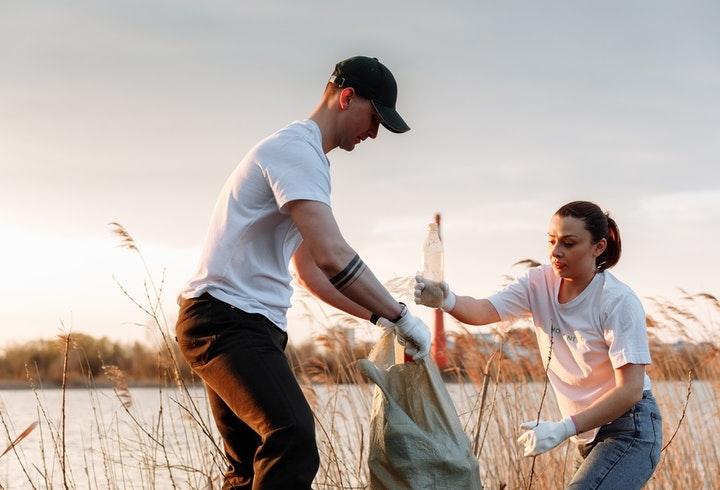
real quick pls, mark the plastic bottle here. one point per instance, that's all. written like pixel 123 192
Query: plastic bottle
pixel 433 257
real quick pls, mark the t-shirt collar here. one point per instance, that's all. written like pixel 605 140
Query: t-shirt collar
pixel 589 289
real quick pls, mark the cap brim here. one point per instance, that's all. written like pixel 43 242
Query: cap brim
pixel 390 118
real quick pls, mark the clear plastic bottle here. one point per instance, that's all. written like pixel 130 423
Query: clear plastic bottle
pixel 433 257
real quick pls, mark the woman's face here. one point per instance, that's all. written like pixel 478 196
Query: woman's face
pixel 571 249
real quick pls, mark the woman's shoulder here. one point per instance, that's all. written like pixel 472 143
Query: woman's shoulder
pixel 615 293
pixel 540 274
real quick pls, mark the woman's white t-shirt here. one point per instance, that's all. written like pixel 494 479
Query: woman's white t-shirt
pixel 603 328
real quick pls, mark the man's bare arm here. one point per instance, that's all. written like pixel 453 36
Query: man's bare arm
pixel 340 264
pixel 315 281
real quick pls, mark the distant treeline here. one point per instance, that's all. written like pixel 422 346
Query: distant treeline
pixel 40 362
pixel 326 359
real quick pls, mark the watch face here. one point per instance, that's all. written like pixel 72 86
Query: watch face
pixel 403 310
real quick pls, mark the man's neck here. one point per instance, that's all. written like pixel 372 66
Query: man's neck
pixel 322 117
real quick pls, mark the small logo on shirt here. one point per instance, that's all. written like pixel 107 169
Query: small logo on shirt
pixel 569 337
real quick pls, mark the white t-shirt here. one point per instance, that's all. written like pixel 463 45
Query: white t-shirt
pixel 601 329
pixel 251 237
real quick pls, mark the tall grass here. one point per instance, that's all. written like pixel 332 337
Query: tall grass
pixel 495 387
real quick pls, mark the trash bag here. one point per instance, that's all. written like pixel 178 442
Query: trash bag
pixel 416 440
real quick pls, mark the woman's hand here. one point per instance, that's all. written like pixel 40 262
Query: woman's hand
pixel 433 294
pixel 542 436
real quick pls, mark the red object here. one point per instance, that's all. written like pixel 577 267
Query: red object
pixel 439 345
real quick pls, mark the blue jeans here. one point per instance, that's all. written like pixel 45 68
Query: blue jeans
pixel 625 452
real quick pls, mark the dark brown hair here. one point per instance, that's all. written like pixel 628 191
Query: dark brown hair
pixel 600 225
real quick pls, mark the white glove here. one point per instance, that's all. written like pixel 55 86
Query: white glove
pixel 414 335
pixel 433 294
pixel 543 436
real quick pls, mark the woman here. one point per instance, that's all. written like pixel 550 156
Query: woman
pixel 595 326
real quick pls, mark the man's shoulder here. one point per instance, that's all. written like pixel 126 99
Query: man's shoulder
pixel 298 136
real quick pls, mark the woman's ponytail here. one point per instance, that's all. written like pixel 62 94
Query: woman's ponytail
pixel 611 255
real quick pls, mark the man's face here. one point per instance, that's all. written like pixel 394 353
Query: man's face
pixel 360 121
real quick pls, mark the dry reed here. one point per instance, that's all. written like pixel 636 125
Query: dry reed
pixel 495 386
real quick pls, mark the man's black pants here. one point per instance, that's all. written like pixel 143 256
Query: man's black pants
pixel 263 417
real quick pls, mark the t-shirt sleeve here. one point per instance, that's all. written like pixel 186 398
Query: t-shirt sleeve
pixel 625 331
pixel 514 300
pixel 295 171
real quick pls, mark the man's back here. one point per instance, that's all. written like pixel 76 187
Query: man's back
pixel 251 238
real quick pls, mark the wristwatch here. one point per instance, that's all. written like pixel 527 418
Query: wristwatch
pixel 374 317
pixel 403 312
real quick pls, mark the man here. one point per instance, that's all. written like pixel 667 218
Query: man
pixel 232 322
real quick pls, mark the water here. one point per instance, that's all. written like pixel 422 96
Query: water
pixel 107 447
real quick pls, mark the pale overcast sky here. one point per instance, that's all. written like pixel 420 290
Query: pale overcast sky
pixel 136 111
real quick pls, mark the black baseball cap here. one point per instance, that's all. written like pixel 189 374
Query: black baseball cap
pixel 372 80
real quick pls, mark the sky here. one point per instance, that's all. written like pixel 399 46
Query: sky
pixel 137 111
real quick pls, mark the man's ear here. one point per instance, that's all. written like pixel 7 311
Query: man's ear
pixel 346 95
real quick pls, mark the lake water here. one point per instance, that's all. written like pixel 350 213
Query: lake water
pixel 160 441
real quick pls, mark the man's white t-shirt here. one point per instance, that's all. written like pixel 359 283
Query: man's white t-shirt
pixel 603 328
pixel 251 237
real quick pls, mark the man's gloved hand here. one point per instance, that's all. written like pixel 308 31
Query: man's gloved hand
pixel 433 294
pixel 545 435
pixel 413 334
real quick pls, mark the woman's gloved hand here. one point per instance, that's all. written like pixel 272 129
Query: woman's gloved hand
pixel 433 294
pixel 545 435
